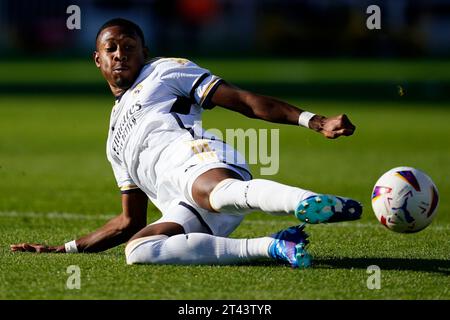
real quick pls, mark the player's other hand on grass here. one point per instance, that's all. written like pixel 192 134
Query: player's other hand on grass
pixel 332 127
pixel 34 247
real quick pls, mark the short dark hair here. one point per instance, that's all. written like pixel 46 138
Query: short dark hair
pixel 122 23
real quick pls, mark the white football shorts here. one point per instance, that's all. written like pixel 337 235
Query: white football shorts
pixel 181 164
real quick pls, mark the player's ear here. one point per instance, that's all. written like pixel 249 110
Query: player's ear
pixel 96 57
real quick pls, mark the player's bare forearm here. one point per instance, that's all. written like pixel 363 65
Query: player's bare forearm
pixel 119 229
pixel 274 110
pixel 255 106
pixel 115 232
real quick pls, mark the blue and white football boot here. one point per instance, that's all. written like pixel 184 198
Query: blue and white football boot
pixel 328 208
pixel 289 245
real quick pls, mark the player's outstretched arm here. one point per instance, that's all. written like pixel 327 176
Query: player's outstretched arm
pixel 115 232
pixel 271 109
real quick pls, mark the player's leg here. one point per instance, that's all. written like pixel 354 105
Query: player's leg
pixel 165 242
pixel 164 228
pixel 220 190
pixel 181 236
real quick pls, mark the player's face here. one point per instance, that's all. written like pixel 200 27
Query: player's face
pixel 120 56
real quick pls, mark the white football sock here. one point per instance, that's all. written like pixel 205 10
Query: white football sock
pixel 241 197
pixel 195 248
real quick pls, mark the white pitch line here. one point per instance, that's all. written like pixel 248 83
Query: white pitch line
pixel 334 225
pixel 79 216
pixel 54 215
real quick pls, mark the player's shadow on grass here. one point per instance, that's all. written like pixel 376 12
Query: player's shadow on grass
pixel 423 265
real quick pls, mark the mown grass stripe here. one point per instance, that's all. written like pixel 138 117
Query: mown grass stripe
pixel 80 216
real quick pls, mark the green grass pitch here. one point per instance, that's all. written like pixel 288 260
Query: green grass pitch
pixel 56 185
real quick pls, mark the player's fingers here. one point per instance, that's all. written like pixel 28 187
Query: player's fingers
pixel 343 132
pixel 346 131
pixel 347 123
pixel 330 134
pixel 29 247
pixel 16 247
pixel 22 247
pixel 337 133
pixel 33 247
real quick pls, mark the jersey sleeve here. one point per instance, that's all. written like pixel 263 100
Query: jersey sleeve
pixel 187 79
pixel 124 181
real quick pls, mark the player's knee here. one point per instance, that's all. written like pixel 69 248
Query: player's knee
pixel 144 250
pixel 217 196
pixel 204 185
pixel 229 196
pixel 201 193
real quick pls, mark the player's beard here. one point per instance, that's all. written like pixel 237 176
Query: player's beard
pixel 123 83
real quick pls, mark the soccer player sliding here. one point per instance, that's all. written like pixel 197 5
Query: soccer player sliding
pixel 201 185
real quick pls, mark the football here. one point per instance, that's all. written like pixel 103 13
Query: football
pixel 405 200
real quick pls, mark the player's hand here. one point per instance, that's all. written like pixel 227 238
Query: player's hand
pixel 34 247
pixel 332 127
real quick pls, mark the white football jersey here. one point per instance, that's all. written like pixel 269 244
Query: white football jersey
pixel 164 105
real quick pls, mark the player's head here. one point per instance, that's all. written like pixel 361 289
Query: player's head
pixel 120 52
